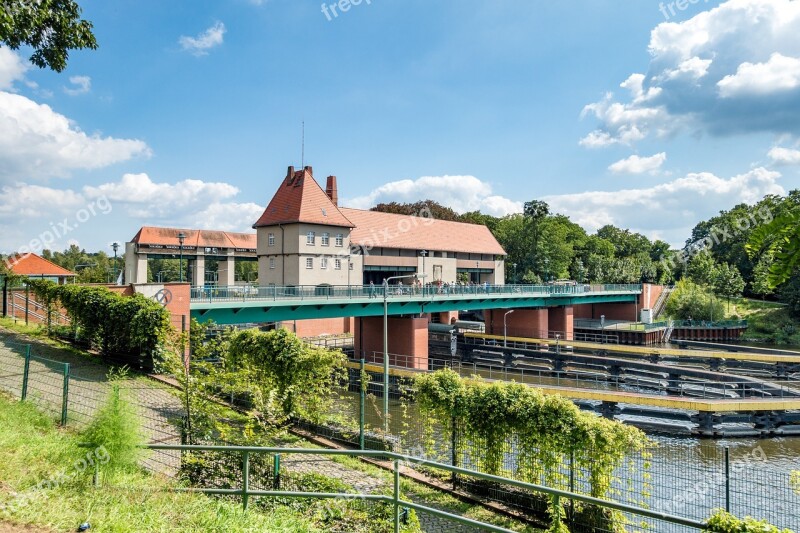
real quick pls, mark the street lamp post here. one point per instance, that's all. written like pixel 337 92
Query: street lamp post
pixel 386 347
pixel 558 345
pixel 514 266
pixel 115 247
pixel 423 253
pixel 181 238
pixel 505 328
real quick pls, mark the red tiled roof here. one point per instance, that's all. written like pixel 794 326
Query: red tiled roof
pixel 300 199
pixel 195 238
pixel 33 265
pixel 377 230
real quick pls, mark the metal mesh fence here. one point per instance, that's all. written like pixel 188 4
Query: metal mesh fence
pixel 72 392
pixel 683 477
pixel 679 476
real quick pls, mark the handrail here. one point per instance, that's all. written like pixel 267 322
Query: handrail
pixel 328 292
pixel 396 458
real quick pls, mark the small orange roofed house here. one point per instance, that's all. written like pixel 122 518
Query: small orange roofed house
pixel 34 266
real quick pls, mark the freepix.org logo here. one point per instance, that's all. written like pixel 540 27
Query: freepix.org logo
pixel 331 11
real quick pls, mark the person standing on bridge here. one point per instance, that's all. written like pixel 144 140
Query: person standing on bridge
pixel 372 289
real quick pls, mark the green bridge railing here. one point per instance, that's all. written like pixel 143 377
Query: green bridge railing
pixel 337 292
pixel 245 492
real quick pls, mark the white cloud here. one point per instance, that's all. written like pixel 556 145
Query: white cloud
pixel 693 68
pixel 461 193
pixel 669 210
pixel 205 41
pixel 12 68
pixel 148 199
pixel 784 156
pixel 38 143
pixel 698 66
pixel 30 211
pixel 230 216
pixel 22 200
pixel 779 74
pixel 82 85
pixel 639 165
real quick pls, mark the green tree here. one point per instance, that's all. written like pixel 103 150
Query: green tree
pixel 51 27
pixel 693 301
pixel 426 208
pixel 727 282
pixel 781 239
pixel 760 285
pixel 534 213
pixel 702 267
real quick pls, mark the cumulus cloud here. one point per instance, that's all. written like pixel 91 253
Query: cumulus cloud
pixel 668 210
pixel 205 41
pixel 709 75
pixel 461 193
pixel 28 210
pixel 784 156
pixel 146 198
pixel 229 216
pixel 22 200
pixel 12 68
pixel 639 165
pixel 80 85
pixel 38 143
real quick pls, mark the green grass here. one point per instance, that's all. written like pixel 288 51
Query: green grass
pixel 32 450
pixel 768 322
pixel 18 325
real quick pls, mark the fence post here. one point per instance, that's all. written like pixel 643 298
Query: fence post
pixel 362 391
pixel 572 486
pixel 453 451
pixel 26 372
pixel 65 395
pixel 727 479
pixel 276 472
pixel 245 479
pixel 396 495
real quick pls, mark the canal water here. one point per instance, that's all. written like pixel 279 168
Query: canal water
pixel 688 476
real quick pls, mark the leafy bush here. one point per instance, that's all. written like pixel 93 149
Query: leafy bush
pixel 115 434
pixel 723 522
pixel 286 377
pixel 690 300
pixel 546 430
pixel 115 324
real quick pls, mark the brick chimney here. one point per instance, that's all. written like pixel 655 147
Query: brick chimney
pixel 332 191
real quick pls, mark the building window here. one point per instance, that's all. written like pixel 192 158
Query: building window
pixel 340 239
pixel 350 265
pixel 311 238
pixel 271 240
pixel 338 264
pixel 309 262
pixel 272 263
pixel 324 263
pixel 326 239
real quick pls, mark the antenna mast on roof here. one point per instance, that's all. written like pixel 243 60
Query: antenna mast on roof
pixel 303 149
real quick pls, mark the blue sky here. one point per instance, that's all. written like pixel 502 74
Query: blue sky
pixel 630 112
